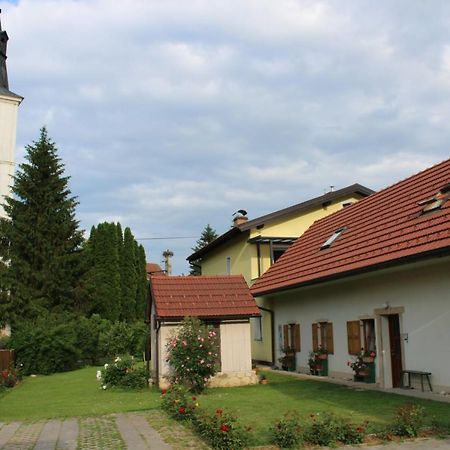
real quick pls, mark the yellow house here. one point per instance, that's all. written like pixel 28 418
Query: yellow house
pixel 250 247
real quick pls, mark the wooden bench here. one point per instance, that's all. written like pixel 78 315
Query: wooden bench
pixel 418 373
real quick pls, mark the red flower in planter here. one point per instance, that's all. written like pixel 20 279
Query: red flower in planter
pixel 224 428
pixel 181 409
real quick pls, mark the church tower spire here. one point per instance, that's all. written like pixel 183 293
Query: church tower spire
pixel 9 105
pixel 3 44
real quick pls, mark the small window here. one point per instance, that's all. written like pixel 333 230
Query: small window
pixel 291 336
pixel 436 202
pixel 328 243
pixel 257 328
pixel 322 337
pixel 277 251
pixel 228 265
pixel 369 335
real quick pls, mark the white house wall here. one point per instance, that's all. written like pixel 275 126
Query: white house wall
pixel 421 291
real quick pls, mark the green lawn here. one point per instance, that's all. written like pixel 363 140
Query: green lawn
pixel 70 394
pixel 260 406
pixel 78 394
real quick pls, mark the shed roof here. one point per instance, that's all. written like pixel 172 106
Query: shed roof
pixel 386 228
pixel 202 296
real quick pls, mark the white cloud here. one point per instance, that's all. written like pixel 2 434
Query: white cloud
pixel 172 114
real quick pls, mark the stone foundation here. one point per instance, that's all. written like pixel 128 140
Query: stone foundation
pixel 233 379
pixel 227 379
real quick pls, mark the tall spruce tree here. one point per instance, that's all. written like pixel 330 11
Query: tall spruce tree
pixel 129 278
pixel 208 235
pixel 142 282
pixel 40 239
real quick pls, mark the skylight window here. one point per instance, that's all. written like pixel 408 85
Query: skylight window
pixel 329 242
pixel 434 203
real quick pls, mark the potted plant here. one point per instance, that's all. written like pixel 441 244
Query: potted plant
pixel 360 368
pixel 263 379
pixel 322 353
pixel 288 361
pixel 369 356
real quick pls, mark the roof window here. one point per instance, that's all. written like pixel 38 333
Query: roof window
pixel 435 202
pixel 329 242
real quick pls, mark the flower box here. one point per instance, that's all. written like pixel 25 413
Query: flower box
pixel 368 359
pixel 322 356
pixel 363 373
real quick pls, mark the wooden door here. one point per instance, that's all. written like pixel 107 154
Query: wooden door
pixel 396 350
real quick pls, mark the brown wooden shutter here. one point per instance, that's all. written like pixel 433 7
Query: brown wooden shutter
pixel 296 337
pixel 286 336
pixel 315 340
pixel 353 337
pixel 330 346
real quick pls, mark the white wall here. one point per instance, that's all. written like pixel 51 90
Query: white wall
pixel 236 355
pixel 8 126
pixel 421 289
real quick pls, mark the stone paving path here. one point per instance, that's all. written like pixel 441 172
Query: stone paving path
pixel 113 432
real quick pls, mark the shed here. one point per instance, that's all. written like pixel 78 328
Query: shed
pixel 222 301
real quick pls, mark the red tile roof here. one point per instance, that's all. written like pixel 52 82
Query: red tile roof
pixel 384 228
pixel 202 296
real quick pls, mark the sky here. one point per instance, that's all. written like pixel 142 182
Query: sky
pixel 170 115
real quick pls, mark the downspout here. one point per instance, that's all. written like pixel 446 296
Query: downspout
pixel 272 330
pixel 157 350
pixel 258 256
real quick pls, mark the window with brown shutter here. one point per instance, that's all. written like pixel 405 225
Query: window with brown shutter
pixel 291 336
pixel 354 337
pixel 285 336
pixel 315 337
pixel 322 336
pixel 329 339
pixel 296 336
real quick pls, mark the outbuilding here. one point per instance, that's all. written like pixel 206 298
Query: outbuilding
pixel 224 302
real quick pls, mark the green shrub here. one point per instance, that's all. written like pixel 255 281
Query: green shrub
pixel 327 429
pixel 408 420
pixel 123 373
pixel 4 342
pixel 286 432
pixel 221 430
pixel 45 347
pixel 179 403
pixel 193 354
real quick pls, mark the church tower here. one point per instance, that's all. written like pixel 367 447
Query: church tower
pixel 9 105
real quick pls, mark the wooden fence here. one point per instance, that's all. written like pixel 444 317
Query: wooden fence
pixel 6 359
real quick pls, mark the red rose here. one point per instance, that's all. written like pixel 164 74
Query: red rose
pixel 219 412
pixel 164 392
pixel 181 410
pixel 224 428
pixel 194 398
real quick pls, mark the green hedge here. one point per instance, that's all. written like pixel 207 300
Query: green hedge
pixel 61 343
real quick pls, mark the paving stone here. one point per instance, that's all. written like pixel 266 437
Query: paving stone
pixel 130 435
pixel 49 436
pixel 99 433
pixel 25 436
pixel 7 432
pixel 68 435
pixel 151 437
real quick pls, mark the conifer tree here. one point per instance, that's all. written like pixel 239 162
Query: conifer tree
pixel 40 239
pixel 128 277
pixel 142 282
pixel 208 235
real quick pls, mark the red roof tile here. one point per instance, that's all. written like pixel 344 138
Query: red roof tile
pixel 202 296
pixel 382 228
